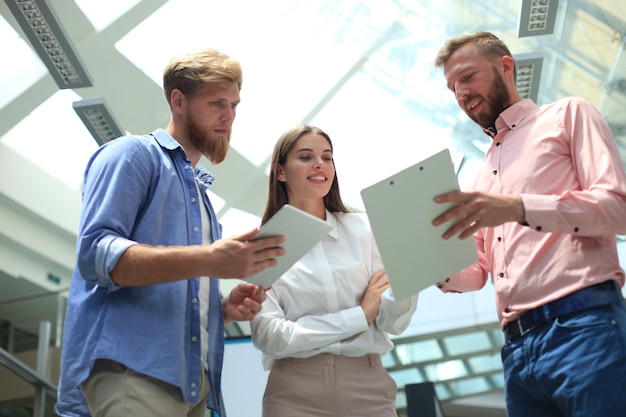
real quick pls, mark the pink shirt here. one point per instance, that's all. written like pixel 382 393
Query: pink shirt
pixel 563 161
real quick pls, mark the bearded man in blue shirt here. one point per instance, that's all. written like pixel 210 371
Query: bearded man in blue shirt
pixel 144 329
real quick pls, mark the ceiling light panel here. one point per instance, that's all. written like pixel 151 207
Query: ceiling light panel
pixel 528 67
pixel 97 119
pixel 45 33
pixel 537 17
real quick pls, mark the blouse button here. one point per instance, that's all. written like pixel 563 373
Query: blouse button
pixel 501 274
pixel 576 229
pixel 495 171
pixel 538 228
pixel 507 310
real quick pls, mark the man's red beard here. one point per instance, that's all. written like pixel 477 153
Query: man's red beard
pixel 214 147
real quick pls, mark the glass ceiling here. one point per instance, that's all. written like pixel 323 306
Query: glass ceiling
pixel 362 70
pixel 339 65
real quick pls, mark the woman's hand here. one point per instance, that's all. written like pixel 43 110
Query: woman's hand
pixel 373 295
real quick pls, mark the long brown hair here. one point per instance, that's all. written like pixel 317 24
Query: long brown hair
pixel 277 196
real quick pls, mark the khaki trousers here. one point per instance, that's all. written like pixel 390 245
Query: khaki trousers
pixel 113 390
pixel 330 385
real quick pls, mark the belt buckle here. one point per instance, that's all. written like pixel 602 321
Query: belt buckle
pixel 523 331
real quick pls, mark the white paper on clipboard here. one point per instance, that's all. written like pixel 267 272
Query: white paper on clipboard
pixel 401 209
pixel 301 230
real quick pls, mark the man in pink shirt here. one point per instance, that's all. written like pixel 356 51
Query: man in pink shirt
pixel 548 202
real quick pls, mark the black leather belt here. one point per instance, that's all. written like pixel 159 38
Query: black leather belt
pixel 594 296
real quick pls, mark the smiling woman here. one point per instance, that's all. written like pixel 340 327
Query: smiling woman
pixel 328 318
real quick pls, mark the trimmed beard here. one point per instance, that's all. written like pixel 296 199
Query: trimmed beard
pixel 213 147
pixel 497 99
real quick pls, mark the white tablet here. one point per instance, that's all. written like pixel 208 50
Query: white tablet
pixel 401 210
pixel 302 231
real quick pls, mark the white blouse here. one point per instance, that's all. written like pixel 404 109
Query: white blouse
pixel 315 306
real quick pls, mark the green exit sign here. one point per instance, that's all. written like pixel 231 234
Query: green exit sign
pixel 54 278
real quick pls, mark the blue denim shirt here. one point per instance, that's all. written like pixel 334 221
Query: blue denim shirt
pixel 139 189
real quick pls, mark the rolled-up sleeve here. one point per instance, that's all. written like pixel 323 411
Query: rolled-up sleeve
pixel 108 252
pixel 114 190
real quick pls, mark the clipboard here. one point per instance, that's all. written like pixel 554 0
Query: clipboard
pixel 401 209
pixel 302 231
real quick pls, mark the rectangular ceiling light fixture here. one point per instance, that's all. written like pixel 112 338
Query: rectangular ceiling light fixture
pixel 537 17
pixel 45 33
pixel 528 67
pixel 98 119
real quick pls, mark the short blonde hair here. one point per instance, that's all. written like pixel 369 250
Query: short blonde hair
pixel 191 71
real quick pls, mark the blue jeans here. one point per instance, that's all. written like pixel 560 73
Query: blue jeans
pixel 574 366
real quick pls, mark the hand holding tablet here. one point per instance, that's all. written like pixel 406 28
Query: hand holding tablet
pixel 301 230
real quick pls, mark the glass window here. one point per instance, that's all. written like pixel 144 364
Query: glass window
pixel 446 370
pixel 485 363
pixel 406 376
pixel 466 343
pixel 418 351
pixel 470 386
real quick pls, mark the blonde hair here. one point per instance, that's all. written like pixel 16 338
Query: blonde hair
pixel 189 72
